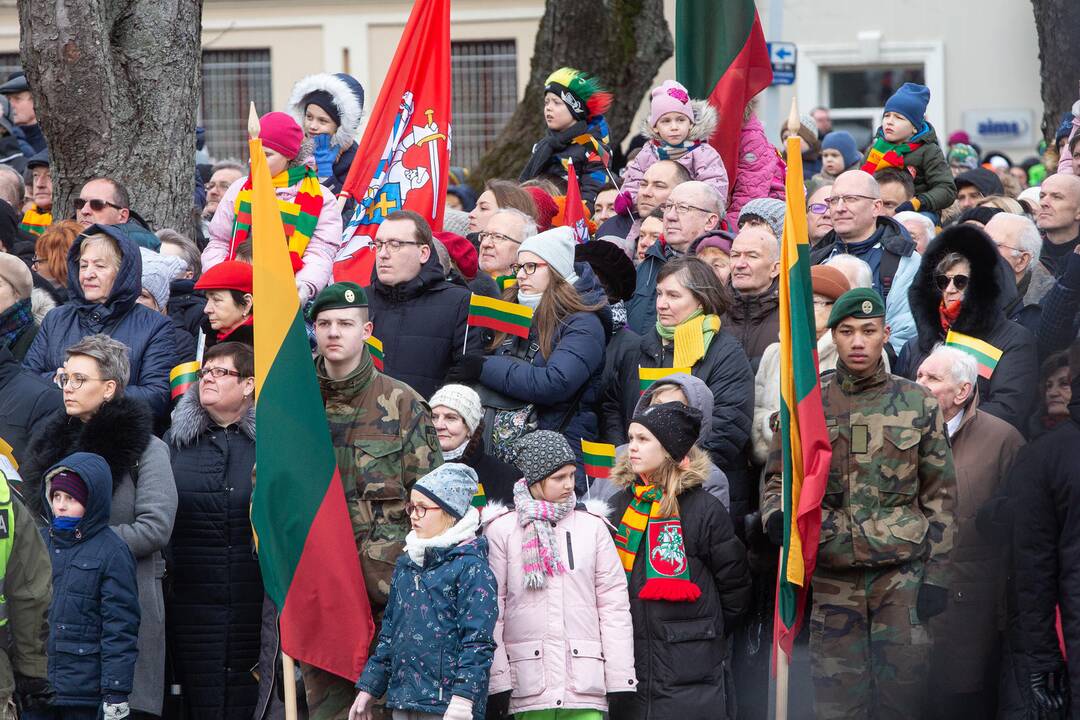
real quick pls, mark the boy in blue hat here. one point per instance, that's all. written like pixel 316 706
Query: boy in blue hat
pixel 906 140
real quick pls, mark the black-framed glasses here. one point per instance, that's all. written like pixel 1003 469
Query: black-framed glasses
pixel 942 281
pixel 681 208
pixel 528 267
pixel 36 261
pixel 818 208
pixel 393 245
pixel 75 381
pixel 496 237
pixel 217 373
pixel 96 204
pixel 846 199
pixel 419 510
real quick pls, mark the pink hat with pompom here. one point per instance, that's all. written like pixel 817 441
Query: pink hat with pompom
pixel 669 97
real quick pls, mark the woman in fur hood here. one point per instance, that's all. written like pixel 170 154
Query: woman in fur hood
pixel 678 129
pixel 958 296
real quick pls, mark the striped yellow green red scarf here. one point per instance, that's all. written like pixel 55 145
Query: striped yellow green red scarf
pixel 299 216
pixel 885 154
pixel 667 569
pixel 35 222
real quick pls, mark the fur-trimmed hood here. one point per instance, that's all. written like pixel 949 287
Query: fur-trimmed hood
pixel 494 510
pixel 190 419
pixel 981 309
pixel 623 476
pixel 705 121
pixel 350 107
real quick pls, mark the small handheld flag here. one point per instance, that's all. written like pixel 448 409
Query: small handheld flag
pixel 374 346
pixel 182 376
pixel 500 315
pixel 479 500
pixel 599 458
pixel 647 376
pixel 985 354
pixel 574 213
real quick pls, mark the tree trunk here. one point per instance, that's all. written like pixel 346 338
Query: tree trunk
pixel 621 42
pixel 1057 24
pixel 115 87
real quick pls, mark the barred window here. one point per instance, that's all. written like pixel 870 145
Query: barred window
pixel 485 95
pixel 231 79
pixel 9 63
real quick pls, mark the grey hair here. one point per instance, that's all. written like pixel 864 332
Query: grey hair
pixel 111 356
pixel 228 164
pixel 528 225
pixel 962 367
pixel 1029 239
pixel 861 276
pixel 189 251
pixel 926 222
pixel 12 188
pixel 711 200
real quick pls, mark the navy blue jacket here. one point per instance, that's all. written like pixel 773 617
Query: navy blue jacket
pixel 641 308
pixel 437 636
pixel 1060 318
pixel 94 614
pixel 148 334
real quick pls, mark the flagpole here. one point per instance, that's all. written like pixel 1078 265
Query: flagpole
pixel 782 666
pixel 288 678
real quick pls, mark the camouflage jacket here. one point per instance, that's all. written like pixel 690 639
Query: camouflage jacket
pixel 384 442
pixel 892 487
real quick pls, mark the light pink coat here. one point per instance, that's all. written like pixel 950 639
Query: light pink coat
pixel 569 644
pixel 318 257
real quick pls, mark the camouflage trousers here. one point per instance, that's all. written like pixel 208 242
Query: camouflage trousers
pixel 869 653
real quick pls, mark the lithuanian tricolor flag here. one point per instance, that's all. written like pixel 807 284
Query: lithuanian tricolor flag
pixel 500 315
pixel 307 553
pixel 647 376
pixel 598 458
pixel 804 439
pixel 182 376
pixel 985 354
pixel 374 346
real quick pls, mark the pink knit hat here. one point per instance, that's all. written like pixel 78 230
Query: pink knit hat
pixel 280 133
pixel 669 97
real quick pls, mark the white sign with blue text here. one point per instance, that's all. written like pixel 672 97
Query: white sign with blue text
pixel 782 58
pixel 991 129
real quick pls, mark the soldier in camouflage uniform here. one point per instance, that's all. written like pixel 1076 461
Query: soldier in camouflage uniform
pixel 384 442
pixel 886 526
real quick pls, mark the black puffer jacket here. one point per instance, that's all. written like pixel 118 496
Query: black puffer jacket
pixel 27 401
pixel 680 648
pixel 1010 392
pixel 215 607
pixel 421 324
pixel 497 477
pixel 186 305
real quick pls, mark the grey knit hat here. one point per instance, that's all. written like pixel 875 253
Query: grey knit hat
pixel 556 247
pixel 541 453
pixel 463 400
pixel 157 272
pixel 770 210
pixel 451 486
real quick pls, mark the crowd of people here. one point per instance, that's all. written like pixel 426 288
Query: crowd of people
pixel 508 573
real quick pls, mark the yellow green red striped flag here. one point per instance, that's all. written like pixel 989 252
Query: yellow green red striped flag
pixel 647 376
pixel 500 315
pixel 374 346
pixel 182 377
pixel 598 458
pixel 985 354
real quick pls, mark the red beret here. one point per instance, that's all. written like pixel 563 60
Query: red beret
pixel 461 252
pixel 228 275
pixel 546 208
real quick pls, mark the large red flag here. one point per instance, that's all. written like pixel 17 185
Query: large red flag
pixel 403 160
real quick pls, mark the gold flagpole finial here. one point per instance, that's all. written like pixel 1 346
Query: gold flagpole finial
pixel 253 122
pixel 793 118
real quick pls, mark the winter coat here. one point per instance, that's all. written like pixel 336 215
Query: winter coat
pixel 426 312
pixel 1059 321
pixel 622 352
pixel 755 321
pixel 727 372
pixel 497 477
pixel 681 648
pixel 94 614
pixel 760 172
pixel 319 255
pixel 890 237
pixel 436 636
pixel 215 604
pixel 1046 477
pixel 568 644
pixel 26 403
pixel 701 161
pixel 25 339
pixel 1010 392
pixel 967 635
pixel 147 334
pixel 142 513
pixel 641 307
pixel 186 305
pixel 585 144
pixel 934 186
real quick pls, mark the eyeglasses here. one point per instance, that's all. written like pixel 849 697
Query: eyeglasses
pixel 419 510
pixel 529 267
pixel 496 237
pixel 36 261
pixel 942 281
pixel 76 381
pixel 846 199
pixel 681 208
pixel 96 204
pixel 217 372
pixel 818 208
pixel 822 303
pixel 392 245
pixel 1015 251
pixel 219 185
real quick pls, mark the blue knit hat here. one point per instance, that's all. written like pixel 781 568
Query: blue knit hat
pixel 842 142
pixel 451 486
pixel 910 101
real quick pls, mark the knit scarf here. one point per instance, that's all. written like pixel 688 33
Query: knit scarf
pixel 692 337
pixel 538 518
pixel 667 571
pixel 884 154
pixel 35 222
pixel 14 321
pixel 948 312
pixel 505 281
pixel 461 531
pixel 666 151
pixel 299 216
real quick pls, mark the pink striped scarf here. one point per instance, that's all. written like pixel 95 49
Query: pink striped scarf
pixel 538 518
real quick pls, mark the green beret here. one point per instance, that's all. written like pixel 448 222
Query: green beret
pixel 861 303
pixel 338 295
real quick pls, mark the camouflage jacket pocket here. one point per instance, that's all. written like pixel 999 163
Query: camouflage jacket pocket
pixel 378 465
pixel 898 466
pixel 377 560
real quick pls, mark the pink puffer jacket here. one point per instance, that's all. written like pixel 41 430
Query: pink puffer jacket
pixel 569 644
pixel 761 170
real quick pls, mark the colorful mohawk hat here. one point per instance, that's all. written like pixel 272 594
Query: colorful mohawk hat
pixel 581 92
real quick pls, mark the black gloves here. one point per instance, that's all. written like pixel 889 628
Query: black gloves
pixel 1048 691
pixel 905 206
pixel 466 371
pixel 32 693
pixel 932 600
pixel 498 706
pixel 774 528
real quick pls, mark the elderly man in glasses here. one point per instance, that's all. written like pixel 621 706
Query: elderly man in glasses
pixel 105 201
pixel 499 241
pixel 860 228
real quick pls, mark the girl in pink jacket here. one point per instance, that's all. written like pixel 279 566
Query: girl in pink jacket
pixel 308 210
pixel 760 170
pixel 564 634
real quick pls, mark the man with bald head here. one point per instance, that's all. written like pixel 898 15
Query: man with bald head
pixel 1059 220
pixel 1020 244
pixel 861 228
pixel 692 210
